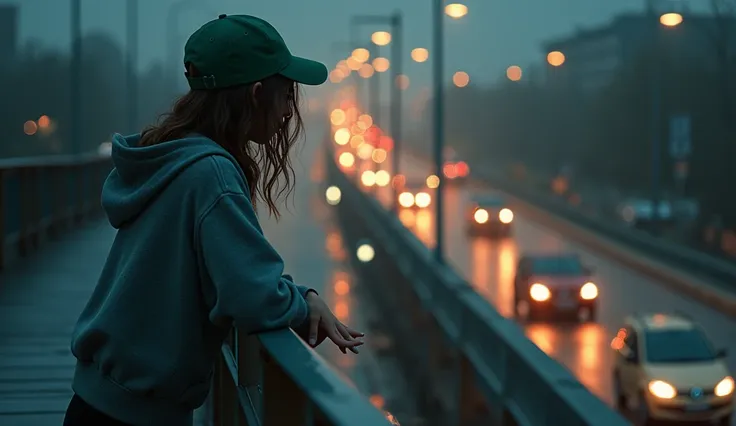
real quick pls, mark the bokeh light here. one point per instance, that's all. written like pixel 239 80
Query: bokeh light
pixel 346 159
pixel 353 63
pixel 368 178
pixel 433 181
pixel 333 195
pixel 366 71
pixel 337 117
pixel 461 79
pixel 365 151
pixel 365 252
pixel 420 54
pixel 381 64
pixel 513 73
pixel 381 38
pixel 555 58
pixel 456 10
pixel 402 82
pixel 342 136
pixel 361 54
pixel 379 155
pixel 30 127
pixel 383 178
pixel 670 19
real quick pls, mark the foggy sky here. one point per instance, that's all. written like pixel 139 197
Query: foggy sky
pixel 494 35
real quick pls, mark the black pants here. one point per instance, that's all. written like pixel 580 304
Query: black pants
pixel 79 413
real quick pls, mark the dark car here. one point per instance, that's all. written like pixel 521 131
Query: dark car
pixel 554 284
pixel 488 215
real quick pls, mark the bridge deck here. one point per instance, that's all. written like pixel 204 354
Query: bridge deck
pixel 42 296
pixel 40 299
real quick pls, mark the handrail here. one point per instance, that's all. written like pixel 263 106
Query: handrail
pixel 275 379
pixel 496 374
pixel 39 196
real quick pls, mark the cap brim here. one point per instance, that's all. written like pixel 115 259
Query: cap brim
pixel 305 71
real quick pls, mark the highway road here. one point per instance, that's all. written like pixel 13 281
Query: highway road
pixel 584 348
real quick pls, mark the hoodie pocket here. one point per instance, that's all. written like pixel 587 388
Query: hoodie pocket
pixel 195 394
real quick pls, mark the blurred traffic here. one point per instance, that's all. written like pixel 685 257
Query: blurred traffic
pixel 570 301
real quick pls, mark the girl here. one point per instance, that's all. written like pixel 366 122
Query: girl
pixel 189 260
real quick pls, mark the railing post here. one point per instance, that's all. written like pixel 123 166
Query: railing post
pixel 24 226
pixel 250 375
pixel 3 205
pixel 35 207
pixel 283 403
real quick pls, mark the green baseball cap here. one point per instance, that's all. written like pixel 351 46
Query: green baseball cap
pixel 242 49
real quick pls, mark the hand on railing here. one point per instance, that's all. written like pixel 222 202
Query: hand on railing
pixel 323 324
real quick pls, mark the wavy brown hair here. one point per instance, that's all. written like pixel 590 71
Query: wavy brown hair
pixel 228 116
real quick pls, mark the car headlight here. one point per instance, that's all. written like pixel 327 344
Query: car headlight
pixel 589 291
pixel 724 387
pixel 506 216
pixel 662 390
pixel 422 199
pixel 481 216
pixel 539 292
pixel 406 199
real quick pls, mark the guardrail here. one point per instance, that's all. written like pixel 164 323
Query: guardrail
pixel 39 196
pixel 275 379
pixel 472 365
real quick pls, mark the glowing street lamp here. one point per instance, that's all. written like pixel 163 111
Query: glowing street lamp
pixel 513 73
pixel 456 10
pixel 420 54
pixel 670 19
pixel 555 58
pixel 361 54
pixel 381 38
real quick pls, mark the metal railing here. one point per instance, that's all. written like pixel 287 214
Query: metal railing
pixel 275 379
pixel 40 196
pixel 471 365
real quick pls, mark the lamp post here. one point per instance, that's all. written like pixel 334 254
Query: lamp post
pixel 666 20
pixel 75 72
pixel 396 22
pixel 439 125
pixel 132 45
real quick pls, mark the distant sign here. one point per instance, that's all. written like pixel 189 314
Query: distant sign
pixel 680 132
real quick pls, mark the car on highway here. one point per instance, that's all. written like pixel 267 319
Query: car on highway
pixel 414 196
pixel 488 215
pixel 667 370
pixel 554 284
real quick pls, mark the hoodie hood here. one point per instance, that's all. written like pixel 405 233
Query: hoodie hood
pixel 142 173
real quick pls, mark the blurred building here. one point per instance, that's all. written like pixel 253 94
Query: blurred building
pixel 593 56
pixel 8 31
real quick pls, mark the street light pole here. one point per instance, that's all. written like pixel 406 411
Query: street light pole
pixel 132 45
pixel 396 22
pixel 396 71
pixel 76 78
pixel 439 130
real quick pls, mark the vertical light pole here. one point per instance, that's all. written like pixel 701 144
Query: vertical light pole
pixel 396 70
pixel 396 23
pixel 132 45
pixel 439 130
pixel 75 72
pixel 666 20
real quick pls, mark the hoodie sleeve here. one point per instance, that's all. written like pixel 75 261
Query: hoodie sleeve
pixel 245 271
pixel 302 290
